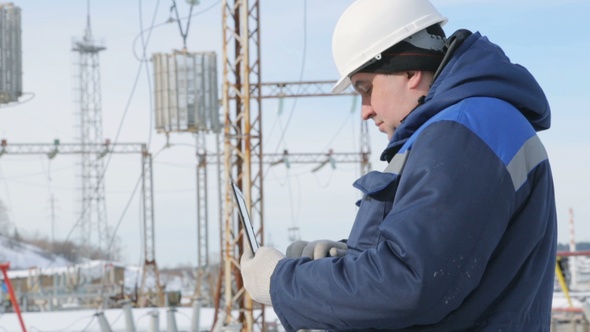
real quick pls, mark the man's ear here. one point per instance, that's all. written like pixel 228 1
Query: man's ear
pixel 415 77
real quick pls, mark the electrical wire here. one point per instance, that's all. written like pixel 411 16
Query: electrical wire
pixel 296 210
pixel 168 22
pixel 140 318
pixel 113 237
pixel 285 128
pixel 177 165
pixel 145 62
pixel 50 192
pixel 118 133
pixel 327 183
pixel 282 129
pixel 294 220
pixel 122 120
pixel 348 118
pixel 114 321
pixel 89 324
pixel 184 33
pixel 184 314
pixel 112 240
pixel 280 108
pixel 303 59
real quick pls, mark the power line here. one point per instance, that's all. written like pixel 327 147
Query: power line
pixel 301 72
pixel 183 33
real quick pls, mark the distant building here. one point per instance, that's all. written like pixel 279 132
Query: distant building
pixel 11 84
pixel 69 287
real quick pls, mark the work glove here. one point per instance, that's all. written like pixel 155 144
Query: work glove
pixel 316 249
pixel 257 270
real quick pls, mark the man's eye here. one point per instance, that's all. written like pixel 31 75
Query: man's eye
pixel 363 90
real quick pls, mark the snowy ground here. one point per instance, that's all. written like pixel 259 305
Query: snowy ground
pixel 87 320
pixel 144 318
pixel 23 256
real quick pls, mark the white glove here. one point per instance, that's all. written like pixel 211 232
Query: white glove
pixel 257 270
pixel 316 249
pixel 295 249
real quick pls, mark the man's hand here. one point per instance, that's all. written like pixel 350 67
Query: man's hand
pixel 257 270
pixel 316 249
pixel 295 249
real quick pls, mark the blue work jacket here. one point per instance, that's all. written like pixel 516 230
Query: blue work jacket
pixel 458 233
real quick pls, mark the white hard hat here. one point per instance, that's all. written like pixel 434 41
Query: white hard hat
pixel 369 27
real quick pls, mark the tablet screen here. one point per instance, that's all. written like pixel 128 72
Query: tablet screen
pixel 245 216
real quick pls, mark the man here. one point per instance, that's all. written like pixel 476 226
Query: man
pixel 458 233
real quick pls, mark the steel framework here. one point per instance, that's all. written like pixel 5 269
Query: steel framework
pixel 93 228
pixel 242 95
pixel 241 100
pixel 150 268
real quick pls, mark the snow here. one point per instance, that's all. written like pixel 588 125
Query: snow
pixel 23 256
pixel 87 320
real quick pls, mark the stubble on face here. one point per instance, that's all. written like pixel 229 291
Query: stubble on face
pixel 383 99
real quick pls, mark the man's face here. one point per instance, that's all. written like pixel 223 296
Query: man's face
pixel 386 98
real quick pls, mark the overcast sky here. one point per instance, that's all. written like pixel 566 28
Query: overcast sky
pixel 547 37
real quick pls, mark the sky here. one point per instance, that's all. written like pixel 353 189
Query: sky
pixel 547 37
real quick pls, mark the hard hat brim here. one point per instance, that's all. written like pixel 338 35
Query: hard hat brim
pixel 341 85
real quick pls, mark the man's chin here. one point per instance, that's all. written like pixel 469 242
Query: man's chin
pixel 389 134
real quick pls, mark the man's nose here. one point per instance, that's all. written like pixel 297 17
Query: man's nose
pixel 367 111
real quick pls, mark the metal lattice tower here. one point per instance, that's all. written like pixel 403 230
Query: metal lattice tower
pixel 150 274
pixel 241 99
pixel 151 291
pixel 91 215
pixel 243 156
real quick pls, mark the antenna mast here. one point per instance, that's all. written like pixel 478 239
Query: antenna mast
pixel 91 214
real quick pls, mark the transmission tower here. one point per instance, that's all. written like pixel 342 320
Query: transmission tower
pixel 243 156
pixel 91 211
pixel 241 100
pixel 151 291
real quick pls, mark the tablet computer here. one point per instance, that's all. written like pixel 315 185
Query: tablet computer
pixel 245 216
